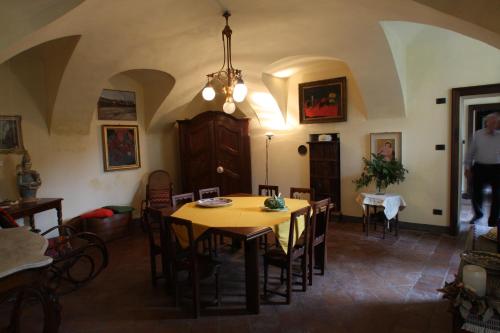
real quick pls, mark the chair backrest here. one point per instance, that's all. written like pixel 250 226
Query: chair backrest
pixel 159 189
pixel 180 199
pixel 173 243
pixel 210 192
pixel 268 190
pixel 320 218
pixel 293 228
pixel 153 223
pixel 302 193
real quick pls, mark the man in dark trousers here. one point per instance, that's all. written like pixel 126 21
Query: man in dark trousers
pixel 482 165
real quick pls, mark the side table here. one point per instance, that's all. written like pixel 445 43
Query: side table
pixel 29 209
pixel 391 203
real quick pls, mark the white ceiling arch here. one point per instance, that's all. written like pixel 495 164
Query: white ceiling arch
pixel 183 39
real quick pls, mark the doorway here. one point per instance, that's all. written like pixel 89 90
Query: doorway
pixel 459 114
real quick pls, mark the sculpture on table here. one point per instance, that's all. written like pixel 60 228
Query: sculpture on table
pixel 28 180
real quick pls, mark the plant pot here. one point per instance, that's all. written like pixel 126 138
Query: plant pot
pixel 381 190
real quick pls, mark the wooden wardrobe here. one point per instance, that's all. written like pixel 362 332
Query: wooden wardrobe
pixel 215 151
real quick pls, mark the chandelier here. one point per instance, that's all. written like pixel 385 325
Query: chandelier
pixel 234 88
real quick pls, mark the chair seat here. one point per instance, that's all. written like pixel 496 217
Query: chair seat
pixel 277 257
pixel 207 267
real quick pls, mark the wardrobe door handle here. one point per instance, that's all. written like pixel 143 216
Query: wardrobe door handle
pixel 220 169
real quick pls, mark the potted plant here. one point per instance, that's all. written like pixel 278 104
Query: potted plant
pixel 383 172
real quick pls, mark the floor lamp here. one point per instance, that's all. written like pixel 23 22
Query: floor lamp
pixel 269 136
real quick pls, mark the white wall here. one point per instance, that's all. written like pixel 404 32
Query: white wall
pixel 436 61
pixel 71 166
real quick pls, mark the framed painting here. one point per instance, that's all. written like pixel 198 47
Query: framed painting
pixel 323 101
pixel 121 147
pixel 116 105
pixel 11 137
pixel 387 144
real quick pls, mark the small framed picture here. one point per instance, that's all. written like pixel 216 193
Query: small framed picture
pixel 116 105
pixel 323 101
pixel 121 147
pixel 11 137
pixel 387 144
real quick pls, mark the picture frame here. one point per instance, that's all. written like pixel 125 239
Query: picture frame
pixel 116 105
pixel 11 136
pixel 387 144
pixel 323 101
pixel 121 147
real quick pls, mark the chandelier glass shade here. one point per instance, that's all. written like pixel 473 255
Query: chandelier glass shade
pixel 231 78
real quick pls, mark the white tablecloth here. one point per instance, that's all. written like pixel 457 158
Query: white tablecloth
pixel 391 202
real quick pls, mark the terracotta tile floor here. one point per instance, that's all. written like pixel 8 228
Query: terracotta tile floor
pixel 371 285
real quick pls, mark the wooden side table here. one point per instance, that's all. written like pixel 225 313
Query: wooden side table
pixel 391 203
pixel 29 209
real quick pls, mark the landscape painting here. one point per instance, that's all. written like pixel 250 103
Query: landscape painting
pixel 116 105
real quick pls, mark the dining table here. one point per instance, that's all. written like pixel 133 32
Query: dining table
pixel 244 219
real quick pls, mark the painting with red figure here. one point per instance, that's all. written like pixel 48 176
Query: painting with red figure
pixel 323 101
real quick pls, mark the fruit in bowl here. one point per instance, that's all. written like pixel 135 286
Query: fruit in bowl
pixel 275 202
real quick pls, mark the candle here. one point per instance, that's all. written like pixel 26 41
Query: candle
pixel 474 277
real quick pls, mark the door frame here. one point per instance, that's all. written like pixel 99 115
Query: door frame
pixel 456 94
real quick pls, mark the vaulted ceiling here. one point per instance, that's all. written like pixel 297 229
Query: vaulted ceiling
pixel 176 43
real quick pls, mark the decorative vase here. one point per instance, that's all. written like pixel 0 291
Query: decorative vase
pixel 380 189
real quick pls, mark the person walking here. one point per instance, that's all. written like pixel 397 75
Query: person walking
pixel 482 167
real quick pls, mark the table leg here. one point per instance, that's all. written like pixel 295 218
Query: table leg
pixel 396 226
pixel 31 220
pixel 59 215
pixel 252 275
pixel 367 219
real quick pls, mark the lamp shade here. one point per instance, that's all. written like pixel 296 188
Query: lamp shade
pixel 208 93
pixel 240 92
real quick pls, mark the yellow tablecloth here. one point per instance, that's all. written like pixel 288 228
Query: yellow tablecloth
pixel 244 212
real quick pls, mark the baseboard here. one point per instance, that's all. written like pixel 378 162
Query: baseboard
pixel 435 229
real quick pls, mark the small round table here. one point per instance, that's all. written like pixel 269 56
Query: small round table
pixel 22 268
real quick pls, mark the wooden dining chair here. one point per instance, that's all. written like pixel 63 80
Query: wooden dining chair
pixel 304 193
pixel 211 192
pixel 188 259
pixel 277 257
pixel 181 199
pixel 207 193
pixel 156 237
pixel 158 192
pixel 317 241
pixel 268 190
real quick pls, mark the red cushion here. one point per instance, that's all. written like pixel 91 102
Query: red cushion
pixel 97 213
pixel 6 221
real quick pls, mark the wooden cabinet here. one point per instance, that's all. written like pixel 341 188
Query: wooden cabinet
pixel 324 163
pixel 215 151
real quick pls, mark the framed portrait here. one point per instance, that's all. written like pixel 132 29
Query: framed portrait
pixel 120 147
pixel 323 101
pixel 11 137
pixel 387 144
pixel 116 105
